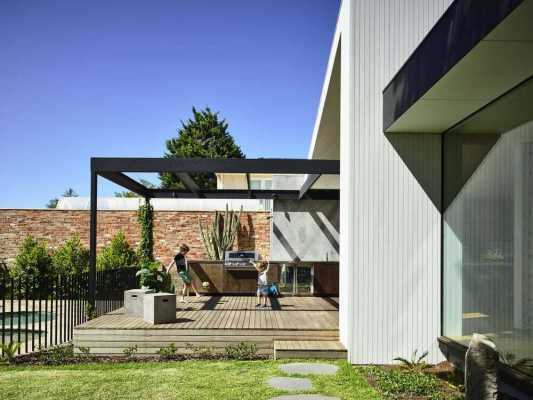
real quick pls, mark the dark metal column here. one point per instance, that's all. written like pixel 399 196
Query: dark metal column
pixel 92 238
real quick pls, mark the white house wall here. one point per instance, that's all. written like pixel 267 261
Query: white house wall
pixel 390 254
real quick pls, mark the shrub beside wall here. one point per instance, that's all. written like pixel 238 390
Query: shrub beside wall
pixel 55 227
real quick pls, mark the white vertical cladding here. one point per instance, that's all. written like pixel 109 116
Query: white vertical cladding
pixel 347 176
pixel 390 227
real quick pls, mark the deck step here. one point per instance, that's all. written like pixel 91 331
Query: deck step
pixel 316 349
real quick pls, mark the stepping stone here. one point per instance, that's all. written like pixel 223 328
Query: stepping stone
pixel 290 383
pixel 305 397
pixel 309 368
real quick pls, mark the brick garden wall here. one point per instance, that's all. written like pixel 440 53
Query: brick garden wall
pixel 170 228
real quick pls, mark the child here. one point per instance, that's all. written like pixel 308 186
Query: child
pixel 262 282
pixel 180 261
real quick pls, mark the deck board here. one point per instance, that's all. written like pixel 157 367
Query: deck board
pixel 216 322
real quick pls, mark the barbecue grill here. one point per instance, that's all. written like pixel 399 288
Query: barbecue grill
pixel 240 260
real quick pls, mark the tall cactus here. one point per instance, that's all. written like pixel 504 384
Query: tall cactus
pixel 220 235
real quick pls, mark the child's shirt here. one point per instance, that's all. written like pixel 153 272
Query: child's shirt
pixel 262 279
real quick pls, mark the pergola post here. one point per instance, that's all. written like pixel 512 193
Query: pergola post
pixel 92 238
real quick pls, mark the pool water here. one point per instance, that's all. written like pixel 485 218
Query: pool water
pixel 21 318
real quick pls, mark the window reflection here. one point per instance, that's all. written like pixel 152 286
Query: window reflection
pixel 488 238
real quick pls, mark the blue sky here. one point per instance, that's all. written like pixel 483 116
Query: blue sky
pixel 114 78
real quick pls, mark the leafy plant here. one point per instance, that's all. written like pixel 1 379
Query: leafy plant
pixel 220 235
pixel 130 351
pixel 241 351
pixel 86 351
pixel 416 363
pixel 33 264
pixel 71 258
pixel 202 352
pixel 56 355
pixel 203 136
pixel 145 217
pixel 168 352
pixel 90 311
pixel 117 254
pixel 151 276
pixel 395 383
pixel 9 350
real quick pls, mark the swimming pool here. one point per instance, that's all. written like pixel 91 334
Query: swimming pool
pixel 23 318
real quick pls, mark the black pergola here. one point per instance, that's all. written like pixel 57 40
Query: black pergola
pixel 115 169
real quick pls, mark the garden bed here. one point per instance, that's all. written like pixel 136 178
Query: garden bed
pixel 438 382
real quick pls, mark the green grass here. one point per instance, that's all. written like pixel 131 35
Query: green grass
pixel 183 380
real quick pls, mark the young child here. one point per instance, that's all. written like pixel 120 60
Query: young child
pixel 180 261
pixel 262 282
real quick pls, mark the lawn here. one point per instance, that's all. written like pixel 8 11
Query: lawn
pixel 182 380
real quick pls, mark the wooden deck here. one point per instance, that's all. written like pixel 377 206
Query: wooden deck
pixel 215 322
pixel 309 349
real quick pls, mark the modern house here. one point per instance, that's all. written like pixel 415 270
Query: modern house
pixel 416 196
pixel 427 104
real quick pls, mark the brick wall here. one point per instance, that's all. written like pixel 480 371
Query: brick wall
pixel 170 228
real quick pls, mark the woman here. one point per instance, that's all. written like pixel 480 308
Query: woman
pixel 180 261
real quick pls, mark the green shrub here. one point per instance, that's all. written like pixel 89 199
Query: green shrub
pixel 150 275
pixel 9 350
pixel 117 254
pixel 71 258
pixel 145 216
pixel 130 351
pixel 202 352
pixel 33 264
pixel 396 382
pixel 416 363
pixel 241 351
pixel 168 352
pixel 90 312
pixel 56 355
pixel 86 351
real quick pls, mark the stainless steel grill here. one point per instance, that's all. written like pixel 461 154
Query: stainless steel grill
pixel 240 260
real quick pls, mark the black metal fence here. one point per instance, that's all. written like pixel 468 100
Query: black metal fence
pixel 39 313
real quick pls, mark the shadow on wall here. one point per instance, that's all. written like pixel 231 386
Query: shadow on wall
pixel 421 153
pixel 305 230
pixel 246 236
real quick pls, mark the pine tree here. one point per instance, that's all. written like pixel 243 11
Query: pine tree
pixel 203 136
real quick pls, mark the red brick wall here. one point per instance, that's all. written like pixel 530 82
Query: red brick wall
pixel 170 228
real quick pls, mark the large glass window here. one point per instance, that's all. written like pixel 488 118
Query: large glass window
pixel 488 238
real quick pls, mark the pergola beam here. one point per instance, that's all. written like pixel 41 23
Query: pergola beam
pixel 189 183
pixel 322 194
pixel 229 165
pixel 248 186
pixel 126 182
pixel 309 182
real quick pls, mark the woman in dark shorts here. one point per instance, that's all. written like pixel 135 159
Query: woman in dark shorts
pixel 180 261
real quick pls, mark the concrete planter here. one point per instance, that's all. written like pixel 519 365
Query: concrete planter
pixel 134 300
pixel 159 308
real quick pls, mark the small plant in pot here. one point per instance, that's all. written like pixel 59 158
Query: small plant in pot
pixel 151 277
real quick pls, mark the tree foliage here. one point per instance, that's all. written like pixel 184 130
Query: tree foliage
pixel 117 254
pixel 71 258
pixel 205 135
pixel 33 264
pixel 52 203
